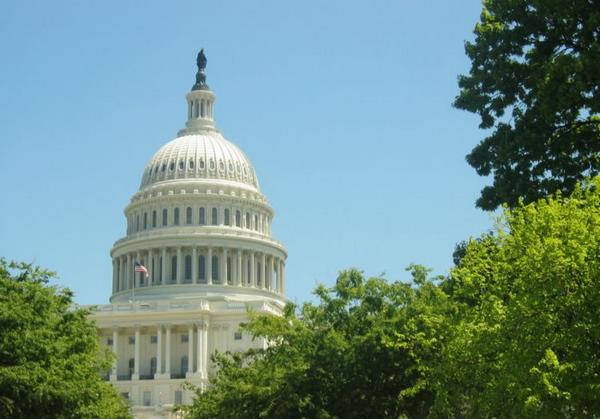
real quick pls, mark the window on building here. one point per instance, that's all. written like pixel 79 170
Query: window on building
pixel 237 335
pixel 178 399
pixel 181 165
pixel 153 365
pixel 256 222
pixel 137 223
pixel 238 219
pixel 165 217
pixel 215 268
pixel 229 280
pixel 201 216
pixel 247 220
pixel 184 364
pixel 131 365
pixel 201 268
pixel 176 217
pixel 174 269
pixel 202 164
pixel 147 398
pixel 153 339
pixel 188 268
pixel 154 219
pixel 214 220
pixel 172 166
pixel 160 269
pixel 191 164
pixel 125 395
pixel 188 215
pixel 258 277
pixel 109 341
pixel 131 340
pixel 145 220
pixel 226 217
pixel 185 338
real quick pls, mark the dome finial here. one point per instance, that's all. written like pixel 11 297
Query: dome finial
pixel 200 74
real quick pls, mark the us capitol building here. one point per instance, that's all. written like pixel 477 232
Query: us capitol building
pixel 202 228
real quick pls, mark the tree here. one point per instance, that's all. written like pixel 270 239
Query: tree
pixel 50 359
pixel 534 82
pixel 363 351
pixel 527 340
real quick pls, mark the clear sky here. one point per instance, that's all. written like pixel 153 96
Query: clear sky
pixel 344 107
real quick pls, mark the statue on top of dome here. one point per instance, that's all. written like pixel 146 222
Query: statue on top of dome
pixel 200 74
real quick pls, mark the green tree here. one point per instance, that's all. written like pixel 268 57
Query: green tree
pixel 534 82
pixel 50 359
pixel 527 340
pixel 364 350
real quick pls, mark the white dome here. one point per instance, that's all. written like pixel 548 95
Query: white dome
pixel 200 156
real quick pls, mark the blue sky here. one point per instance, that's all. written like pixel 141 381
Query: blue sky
pixel 344 107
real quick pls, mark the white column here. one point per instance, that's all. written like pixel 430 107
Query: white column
pixel 244 273
pixel 282 277
pixel 278 287
pixel 136 365
pixel 163 279
pixel 179 266
pixel 194 265
pixel 238 274
pixel 159 368
pixel 205 349
pixel 200 348
pixel 129 271
pixel 168 352
pixel 225 273
pixel 263 271
pixel 209 266
pixel 252 269
pixel 121 273
pixel 190 370
pixel 150 265
pixel 114 276
pixel 115 348
pixel 270 285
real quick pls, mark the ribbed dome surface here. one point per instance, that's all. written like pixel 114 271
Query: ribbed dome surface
pixel 206 155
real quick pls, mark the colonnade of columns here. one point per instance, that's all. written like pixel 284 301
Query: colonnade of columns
pixel 197 363
pixel 200 265
pixel 200 108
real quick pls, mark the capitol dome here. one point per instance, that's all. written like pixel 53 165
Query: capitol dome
pixel 198 222
pixel 200 157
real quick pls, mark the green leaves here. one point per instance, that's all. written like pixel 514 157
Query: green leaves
pixel 50 360
pixel 535 72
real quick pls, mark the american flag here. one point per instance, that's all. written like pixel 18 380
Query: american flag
pixel 141 268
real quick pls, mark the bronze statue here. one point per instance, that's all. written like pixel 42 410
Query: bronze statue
pixel 200 75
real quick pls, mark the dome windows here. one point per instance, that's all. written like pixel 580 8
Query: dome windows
pixel 191 164
pixel 211 164
pixel 201 217
pixel 201 164
pixel 214 220
pixel 188 215
pixel 181 165
pixel 172 166
pixel 176 216
pixel 164 167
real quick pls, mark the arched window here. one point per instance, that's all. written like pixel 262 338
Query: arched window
pixel 256 222
pixel 238 219
pixel 160 267
pixel 180 164
pixel 226 217
pixel 215 268
pixel 184 364
pixel 188 268
pixel 214 217
pixel 247 220
pixel 165 217
pixel 176 217
pixel 137 223
pixel 145 220
pixel 174 269
pixel 201 217
pixel 153 365
pixel 131 365
pixel 172 166
pixel 188 215
pixel 191 164
pixel 154 219
pixel 202 268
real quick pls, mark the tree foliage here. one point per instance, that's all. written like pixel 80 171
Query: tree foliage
pixel 363 351
pixel 527 342
pixel 50 360
pixel 512 331
pixel 534 82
